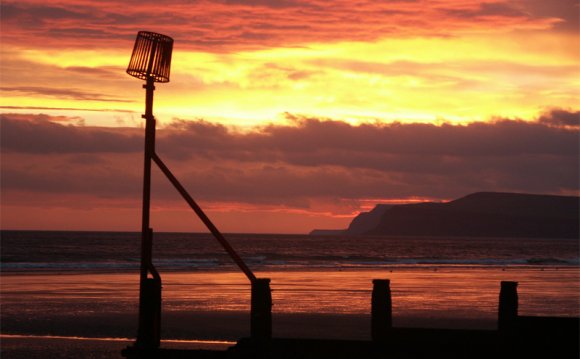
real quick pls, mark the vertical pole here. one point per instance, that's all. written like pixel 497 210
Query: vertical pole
pixel 508 305
pixel 148 291
pixel 381 309
pixel 261 312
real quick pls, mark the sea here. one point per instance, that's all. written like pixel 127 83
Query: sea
pixel 71 294
pixel 120 251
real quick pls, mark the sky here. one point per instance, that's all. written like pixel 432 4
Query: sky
pixel 284 116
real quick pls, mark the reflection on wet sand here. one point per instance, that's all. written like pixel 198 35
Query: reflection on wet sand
pixel 451 292
pixel 200 308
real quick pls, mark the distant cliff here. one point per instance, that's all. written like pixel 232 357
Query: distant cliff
pixel 361 224
pixel 483 214
pixel 367 221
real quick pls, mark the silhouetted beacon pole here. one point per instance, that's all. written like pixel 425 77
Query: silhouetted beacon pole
pixel 150 61
pixel 381 309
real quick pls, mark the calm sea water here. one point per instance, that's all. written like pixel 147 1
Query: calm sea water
pixel 108 251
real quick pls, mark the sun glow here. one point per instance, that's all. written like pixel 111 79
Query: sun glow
pixel 459 79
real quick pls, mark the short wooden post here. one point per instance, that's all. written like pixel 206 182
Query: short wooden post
pixel 261 312
pixel 149 335
pixel 381 309
pixel 508 305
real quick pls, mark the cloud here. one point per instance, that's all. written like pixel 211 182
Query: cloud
pixel 561 118
pixel 41 134
pixel 234 24
pixel 31 13
pixel 111 72
pixel 295 166
pixel 64 109
pixel 267 3
pixel 565 10
pixel 321 141
pixel 488 9
pixel 68 93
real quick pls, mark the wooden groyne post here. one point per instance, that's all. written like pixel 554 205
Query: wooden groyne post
pixel 508 306
pixel 261 311
pixel 381 309
pixel 149 332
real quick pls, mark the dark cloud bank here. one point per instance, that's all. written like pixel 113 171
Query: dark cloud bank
pixel 288 165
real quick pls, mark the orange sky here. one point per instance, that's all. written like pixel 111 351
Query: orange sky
pixel 284 116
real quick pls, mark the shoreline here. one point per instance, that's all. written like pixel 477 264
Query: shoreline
pixel 214 305
pixel 389 268
pixel 315 303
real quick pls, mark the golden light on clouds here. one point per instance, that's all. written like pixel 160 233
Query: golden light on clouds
pixel 365 72
pixel 459 79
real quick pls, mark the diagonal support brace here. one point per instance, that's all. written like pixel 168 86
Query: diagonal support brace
pixel 208 223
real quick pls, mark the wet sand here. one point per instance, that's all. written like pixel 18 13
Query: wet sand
pixel 38 347
pixel 332 304
pixel 102 335
pixel 24 347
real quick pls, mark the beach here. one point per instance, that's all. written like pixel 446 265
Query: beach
pixel 75 294
pixel 96 312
